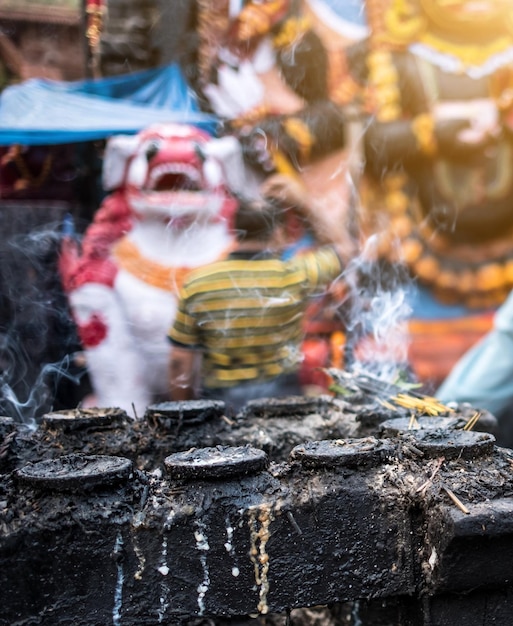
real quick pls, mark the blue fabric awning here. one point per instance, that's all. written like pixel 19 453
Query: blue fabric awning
pixel 41 112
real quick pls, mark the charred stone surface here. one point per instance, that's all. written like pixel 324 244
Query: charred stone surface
pixel 59 552
pixel 99 524
pixel 462 543
pixel 280 538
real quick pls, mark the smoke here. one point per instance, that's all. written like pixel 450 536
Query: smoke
pixel 37 335
pixel 375 315
pixel 41 395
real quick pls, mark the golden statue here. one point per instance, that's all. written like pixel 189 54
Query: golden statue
pixel 436 80
pixel 440 87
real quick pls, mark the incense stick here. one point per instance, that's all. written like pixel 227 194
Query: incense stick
pixel 456 501
pixel 472 421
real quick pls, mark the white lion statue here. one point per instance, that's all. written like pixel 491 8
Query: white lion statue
pixel 169 210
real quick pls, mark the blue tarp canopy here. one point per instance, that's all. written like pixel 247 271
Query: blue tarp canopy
pixel 41 112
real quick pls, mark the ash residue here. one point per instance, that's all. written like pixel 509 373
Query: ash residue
pixel 429 486
pixel 421 482
pixel 277 433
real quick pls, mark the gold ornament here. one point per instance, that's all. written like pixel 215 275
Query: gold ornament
pixel 403 24
pixel 448 280
pixel 300 133
pixel 508 271
pixel 257 19
pixel 411 250
pixel 427 268
pixel 396 202
pixel 292 31
pixel 402 226
pixel 469 54
pixel 490 277
pixel 384 79
pixel 423 127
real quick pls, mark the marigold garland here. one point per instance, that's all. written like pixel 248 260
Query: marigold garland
pixel 168 278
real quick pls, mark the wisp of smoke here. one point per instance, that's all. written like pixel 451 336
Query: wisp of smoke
pixel 37 334
pixel 375 315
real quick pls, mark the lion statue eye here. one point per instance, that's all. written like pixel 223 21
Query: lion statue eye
pixel 152 150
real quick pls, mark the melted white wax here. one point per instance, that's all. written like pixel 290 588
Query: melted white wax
pixel 164 587
pixel 118 592
pixel 202 545
pixel 229 546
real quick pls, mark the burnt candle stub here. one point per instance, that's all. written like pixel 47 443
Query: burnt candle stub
pixel 73 419
pixel 450 444
pixel 76 472
pixel 167 414
pixel 289 406
pixel 398 425
pixel 216 462
pixel 368 451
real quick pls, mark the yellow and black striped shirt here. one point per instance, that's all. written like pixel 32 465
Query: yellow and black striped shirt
pixel 246 315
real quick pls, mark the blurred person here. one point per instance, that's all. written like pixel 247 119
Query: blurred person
pixel 484 374
pixel 238 331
